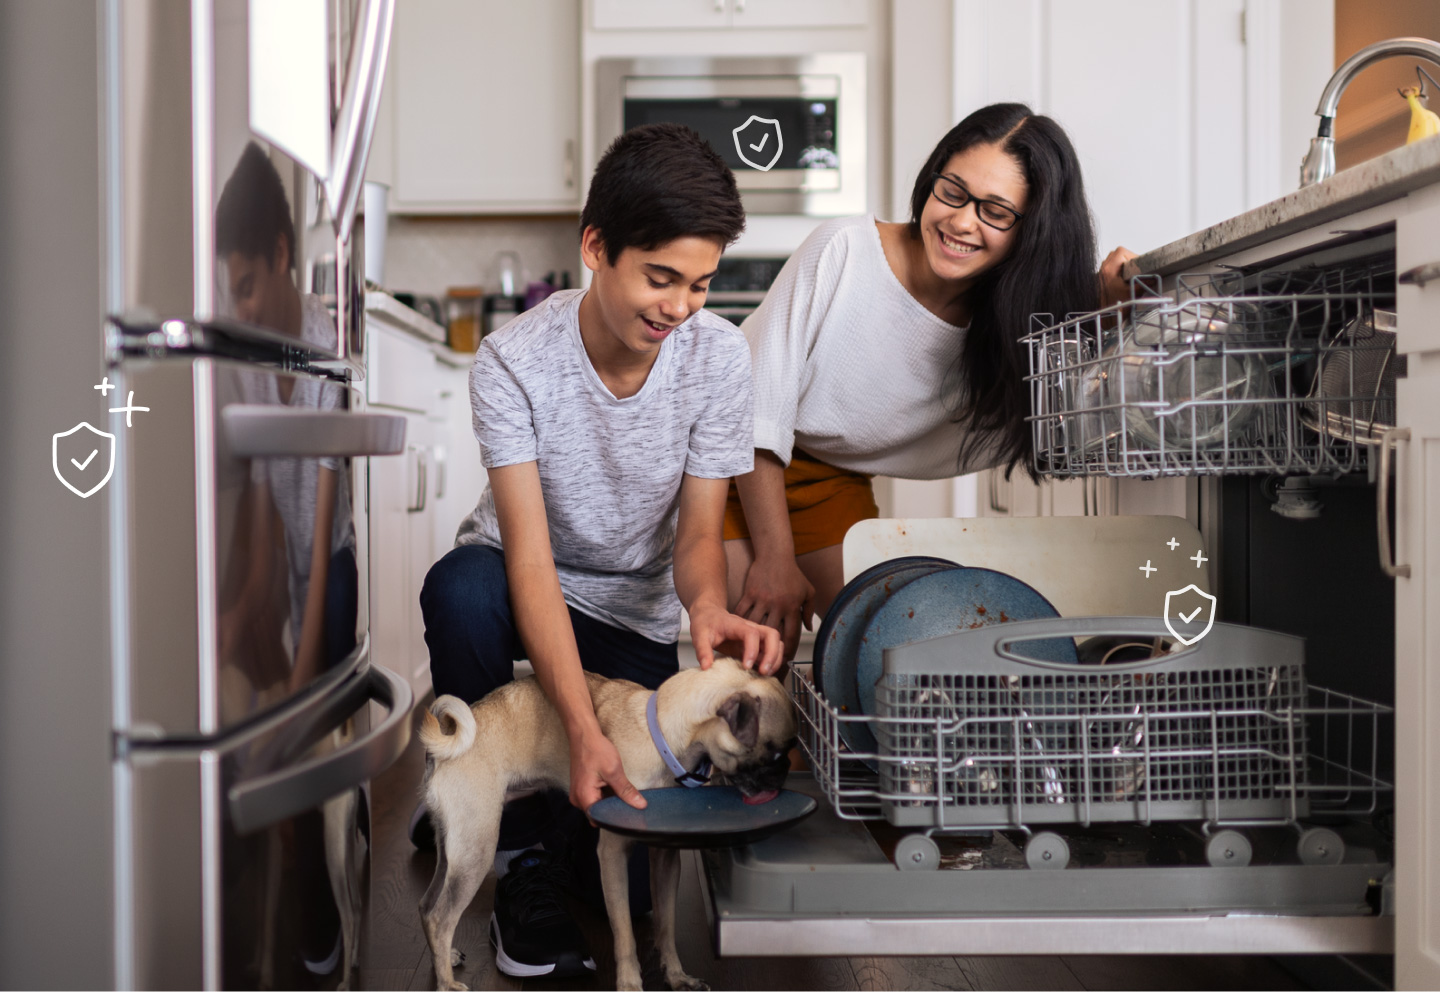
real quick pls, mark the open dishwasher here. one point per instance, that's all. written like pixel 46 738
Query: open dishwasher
pixel 1209 799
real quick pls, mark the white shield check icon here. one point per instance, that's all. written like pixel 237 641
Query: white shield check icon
pixel 1207 606
pixel 90 447
pixel 755 142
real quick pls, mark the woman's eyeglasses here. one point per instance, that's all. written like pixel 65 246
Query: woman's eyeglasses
pixel 992 214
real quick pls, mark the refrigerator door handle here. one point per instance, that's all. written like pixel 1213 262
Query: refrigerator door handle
pixel 261 431
pixel 359 108
pixel 268 799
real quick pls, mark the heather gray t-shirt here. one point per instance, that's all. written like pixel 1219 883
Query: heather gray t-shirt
pixel 610 469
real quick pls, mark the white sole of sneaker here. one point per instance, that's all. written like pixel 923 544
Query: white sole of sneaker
pixel 509 966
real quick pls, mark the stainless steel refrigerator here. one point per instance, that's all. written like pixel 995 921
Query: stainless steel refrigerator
pixel 248 713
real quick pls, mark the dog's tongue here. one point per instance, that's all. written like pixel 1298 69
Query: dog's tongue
pixel 761 797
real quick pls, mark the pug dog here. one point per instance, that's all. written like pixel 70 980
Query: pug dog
pixel 742 722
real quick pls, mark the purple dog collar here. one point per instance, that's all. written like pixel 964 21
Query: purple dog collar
pixel 690 780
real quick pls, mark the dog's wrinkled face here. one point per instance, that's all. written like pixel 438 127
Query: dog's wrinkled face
pixel 750 740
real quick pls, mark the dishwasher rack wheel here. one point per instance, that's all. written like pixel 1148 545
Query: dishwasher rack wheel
pixel 1228 849
pixel 1047 851
pixel 1321 846
pixel 916 852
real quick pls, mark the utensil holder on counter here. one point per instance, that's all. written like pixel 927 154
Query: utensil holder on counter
pixel 1225 374
pixel 973 735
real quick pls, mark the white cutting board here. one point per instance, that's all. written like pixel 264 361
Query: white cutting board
pixel 1085 566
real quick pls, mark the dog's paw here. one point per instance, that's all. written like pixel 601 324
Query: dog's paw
pixel 688 982
pixel 457 957
pixel 452 987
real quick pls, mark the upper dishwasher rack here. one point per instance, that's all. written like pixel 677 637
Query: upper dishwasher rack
pixel 1281 372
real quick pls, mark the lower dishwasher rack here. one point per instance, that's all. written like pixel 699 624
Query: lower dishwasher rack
pixel 831 885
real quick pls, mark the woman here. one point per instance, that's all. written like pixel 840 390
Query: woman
pixel 894 349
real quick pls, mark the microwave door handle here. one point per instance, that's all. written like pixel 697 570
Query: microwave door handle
pixel 256 430
pixel 359 109
pixel 260 802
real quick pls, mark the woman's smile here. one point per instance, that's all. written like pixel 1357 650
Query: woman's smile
pixel 955 246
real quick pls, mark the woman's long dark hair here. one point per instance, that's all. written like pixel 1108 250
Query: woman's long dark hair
pixel 1050 269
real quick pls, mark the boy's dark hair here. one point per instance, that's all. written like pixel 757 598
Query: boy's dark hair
pixel 659 182
pixel 254 211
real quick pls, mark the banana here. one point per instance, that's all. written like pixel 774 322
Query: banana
pixel 1423 123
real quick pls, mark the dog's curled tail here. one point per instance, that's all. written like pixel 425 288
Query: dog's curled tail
pixel 447 729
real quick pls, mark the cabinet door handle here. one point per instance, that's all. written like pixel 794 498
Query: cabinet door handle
pixel 416 503
pixel 423 495
pixel 441 457
pixel 1382 503
pixel 1419 275
pixel 570 164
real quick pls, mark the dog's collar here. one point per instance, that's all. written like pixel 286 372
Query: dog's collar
pixel 689 779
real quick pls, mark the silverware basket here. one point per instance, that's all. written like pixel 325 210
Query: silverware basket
pixel 1277 373
pixel 973 735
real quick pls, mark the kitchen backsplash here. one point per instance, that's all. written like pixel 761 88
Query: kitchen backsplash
pixel 430 254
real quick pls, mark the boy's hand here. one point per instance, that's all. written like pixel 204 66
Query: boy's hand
pixel 778 595
pixel 594 764
pixel 756 645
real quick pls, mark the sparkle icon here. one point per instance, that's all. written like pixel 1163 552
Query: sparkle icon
pixel 129 408
pixel 1198 558
pixel 1173 544
pixel 1147 568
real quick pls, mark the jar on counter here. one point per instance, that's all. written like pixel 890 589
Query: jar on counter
pixel 463 315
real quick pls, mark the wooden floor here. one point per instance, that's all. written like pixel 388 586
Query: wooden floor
pixel 393 954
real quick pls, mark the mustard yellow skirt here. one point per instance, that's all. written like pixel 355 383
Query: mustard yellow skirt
pixel 824 502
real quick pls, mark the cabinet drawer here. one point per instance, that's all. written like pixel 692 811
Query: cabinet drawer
pixel 400 370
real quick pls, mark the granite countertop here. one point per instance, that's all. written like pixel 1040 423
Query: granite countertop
pixel 1388 177
pixel 401 316
pixel 414 323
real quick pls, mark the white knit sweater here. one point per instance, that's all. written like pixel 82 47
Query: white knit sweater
pixel 851 368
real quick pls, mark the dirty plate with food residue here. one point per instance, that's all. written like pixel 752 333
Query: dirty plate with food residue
pixel 837 643
pixel 711 816
pixel 942 603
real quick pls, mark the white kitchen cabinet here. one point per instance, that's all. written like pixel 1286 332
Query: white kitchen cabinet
pixel 416 501
pixel 401 550
pixel 486 106
pixel 458 477
pixel 633 15
pixel 1417 611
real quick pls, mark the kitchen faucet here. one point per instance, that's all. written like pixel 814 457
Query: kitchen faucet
pixel 1320 162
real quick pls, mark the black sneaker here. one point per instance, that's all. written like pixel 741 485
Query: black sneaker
pixel 531 931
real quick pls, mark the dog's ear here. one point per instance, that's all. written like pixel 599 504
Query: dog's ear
pixel 742 713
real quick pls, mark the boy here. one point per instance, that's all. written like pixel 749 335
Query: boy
pixel 610 421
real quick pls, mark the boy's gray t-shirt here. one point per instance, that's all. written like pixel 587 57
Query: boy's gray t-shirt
pixel 610 469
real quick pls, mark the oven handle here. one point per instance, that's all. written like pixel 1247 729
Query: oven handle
pixel 1382 503
pixel 256 430
pixel 268 799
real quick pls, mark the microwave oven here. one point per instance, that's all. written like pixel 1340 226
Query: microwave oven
pixel 792 129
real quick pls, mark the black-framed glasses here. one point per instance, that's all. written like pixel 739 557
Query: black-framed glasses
pixel 952 193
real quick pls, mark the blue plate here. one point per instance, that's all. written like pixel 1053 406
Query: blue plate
pixel 710 816
pixel 837 643
pixel 942 603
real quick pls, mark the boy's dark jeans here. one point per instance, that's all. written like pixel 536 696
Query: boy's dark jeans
pixel 470 631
